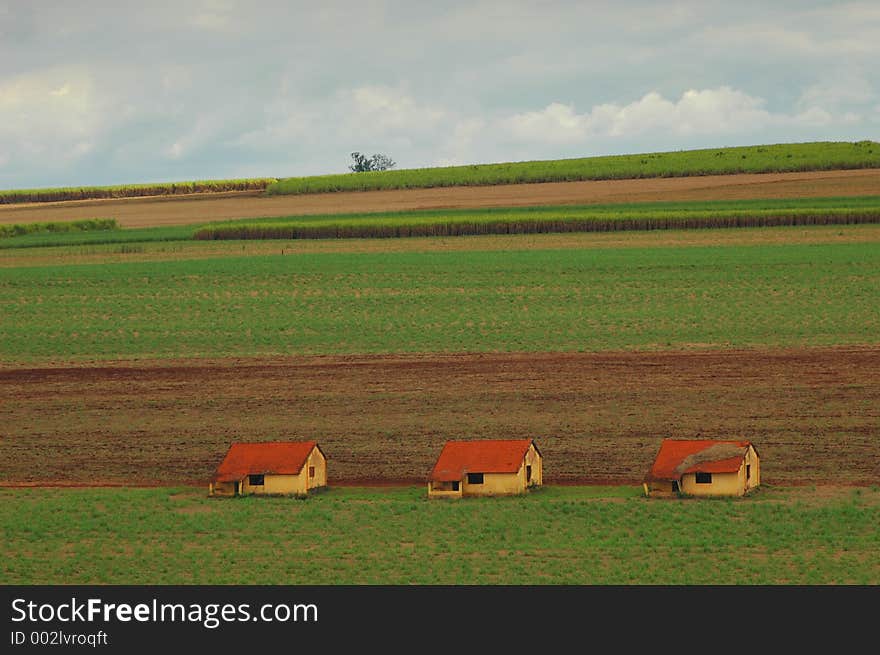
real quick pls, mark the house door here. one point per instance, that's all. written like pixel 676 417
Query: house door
pixel 675 486
pixel 236 488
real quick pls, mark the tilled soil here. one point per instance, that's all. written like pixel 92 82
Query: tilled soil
pixel 813 414
pixel 199 208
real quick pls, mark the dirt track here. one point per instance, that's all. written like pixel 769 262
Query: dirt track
pixel 813 414
pixel 180 210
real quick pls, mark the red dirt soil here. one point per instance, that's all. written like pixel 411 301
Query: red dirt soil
pixel 812 414
pixel 200 208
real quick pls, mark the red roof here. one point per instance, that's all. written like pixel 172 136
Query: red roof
pixel 486 456
pixel 270 457
pixel 680 456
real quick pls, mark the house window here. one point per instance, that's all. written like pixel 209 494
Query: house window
pixel 704 478
pixel 475 478
pixel 311 471
pixel 256 480
pixel 748 471
pixel 528 472
pixel 455 485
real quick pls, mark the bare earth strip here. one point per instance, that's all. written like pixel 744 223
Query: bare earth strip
pixel 814 414
pixel 199 208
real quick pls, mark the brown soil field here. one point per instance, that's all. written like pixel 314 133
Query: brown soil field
pixel 199 208
pixel 813 414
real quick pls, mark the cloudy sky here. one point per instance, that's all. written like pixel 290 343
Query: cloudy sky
pixel 117 92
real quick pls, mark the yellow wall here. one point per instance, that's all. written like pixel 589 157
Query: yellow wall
pixel 495 484
pixel 317 460
pixel 755 477
pixel 537 463
pixel 723 484
pixel 276 484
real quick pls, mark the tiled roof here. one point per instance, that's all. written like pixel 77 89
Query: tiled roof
pixel 486 456
pixel 271 457
pixel 680 456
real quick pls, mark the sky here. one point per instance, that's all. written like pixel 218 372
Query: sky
pixel 95 93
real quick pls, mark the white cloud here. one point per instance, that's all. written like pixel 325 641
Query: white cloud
pixel 205 130
pixel 843 88
pixel 214 15
pixel 382 109
pixel 61 91
pixel 555 123
pixel 53 115
pixel 458 146
pixel 697 112
pixel 364 114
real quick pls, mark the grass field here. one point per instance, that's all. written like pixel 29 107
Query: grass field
pixel 466 301
pixel 58 194
pixel 747 159
pixel 557 535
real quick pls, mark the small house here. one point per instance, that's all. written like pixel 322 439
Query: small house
pixel 485 468
pixel 703 468
pixel 272 468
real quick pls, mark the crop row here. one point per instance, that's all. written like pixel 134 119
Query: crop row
pixel 789 157
pixel 516 220
pixel 86 225
pixel 132 190
pixel 413 226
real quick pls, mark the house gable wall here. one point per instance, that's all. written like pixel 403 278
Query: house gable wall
pixel 755 473
pixel 316 459
pixel 534 459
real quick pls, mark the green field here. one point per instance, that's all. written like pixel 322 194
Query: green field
pixel 98 237
pixel 537 220
pixel 464 222
pixel 787 157
pixel 57 194
pixel 464 301
pixel 88 225
pixel 747 159
pixel 556 535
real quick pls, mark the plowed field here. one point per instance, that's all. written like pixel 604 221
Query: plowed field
pixel 814 414
pixel 199 208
